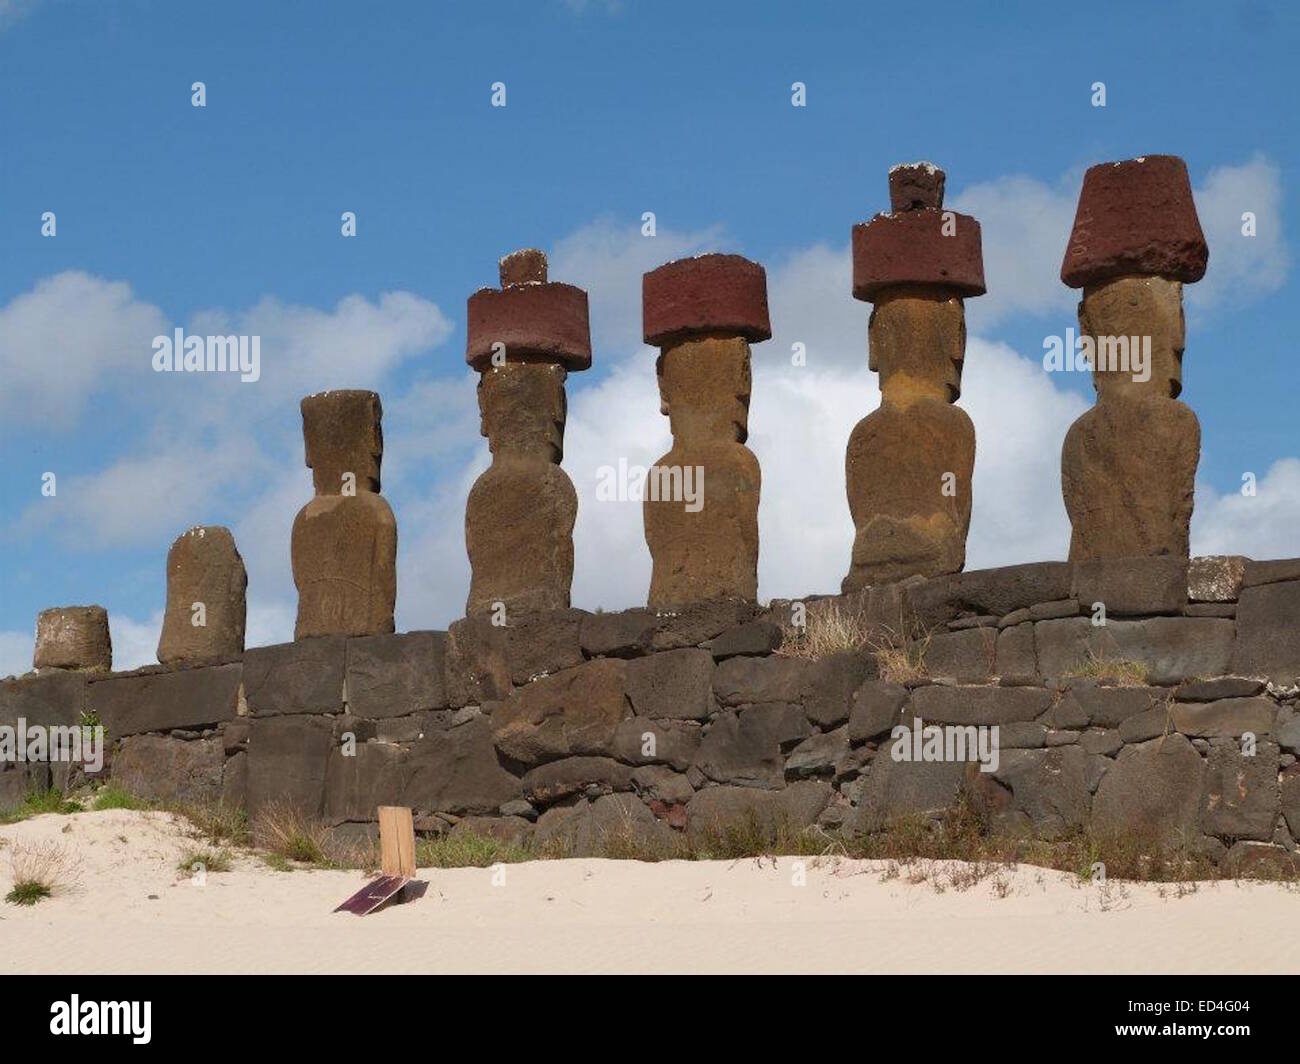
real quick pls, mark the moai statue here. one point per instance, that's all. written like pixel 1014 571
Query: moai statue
pixel 523 339
pixel 701 498
pixel 206 582
pixel 344 544
pixel 1128 465
pixel 909 463
pixel 73 637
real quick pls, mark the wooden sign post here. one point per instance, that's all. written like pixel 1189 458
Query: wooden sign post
pixel 396 860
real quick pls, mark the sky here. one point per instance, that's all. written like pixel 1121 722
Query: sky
pixel 226 218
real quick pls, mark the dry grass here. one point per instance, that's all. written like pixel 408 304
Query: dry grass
pixel 831 627
pixel 40 870
pixel 1119 671
pixel 898 658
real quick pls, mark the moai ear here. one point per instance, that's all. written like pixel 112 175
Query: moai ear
pixel 873 364
pixel 659 376
pixel 482 405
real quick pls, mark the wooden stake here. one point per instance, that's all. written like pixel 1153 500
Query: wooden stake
pixel 397 841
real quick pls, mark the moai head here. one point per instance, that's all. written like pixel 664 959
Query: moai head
pixel 73 637
pixel 344 440
pixel 1136 241
pixel 703 313
pixel 916 265
pixel 524 338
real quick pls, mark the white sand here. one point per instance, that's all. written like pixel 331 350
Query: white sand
pixel 603 916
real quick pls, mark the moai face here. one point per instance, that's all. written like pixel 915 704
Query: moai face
pixel 1120 316
pixel 342 435
pixel 917 344
pixel 704 388
pixel 522 408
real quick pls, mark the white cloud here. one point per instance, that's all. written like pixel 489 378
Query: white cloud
pixel 1259 526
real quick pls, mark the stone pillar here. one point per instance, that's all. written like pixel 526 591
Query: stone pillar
pixel 523 339
pixel 701 498
pixel 908 464
pixel 73 637
pixel 344 545
pixel 206 582
pixel 1128 465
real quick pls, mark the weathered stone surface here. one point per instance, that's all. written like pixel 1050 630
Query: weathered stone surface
pixel 1132 586
pixel 877 707
pixel 1151 723
pixel 287 762
pixel 1268 632
pixel 357 785
pixel 573 712
pixel 830 684
pixel 625 634
pixel 1154 788
pixel 748 748
pixel 532 319
pixel 984 620
pixel 694 623
pixel 1215 577
pixel 917 247
pixel 708 295
pixel 997 591
pixel 51 698
pixel 1135 217
pixel 344 554
pixel 704 550
pixel 234 781
pixel 1025 735
pixel 1108 707
pixel 890 790
pixel 755 638
pixel 1102 741
pixel 674 684
pixel 1016 662
pixel 458 771
pixel 1172 649
pixel 716 809
pixel 979 705
pixel 395 675
pixel 160 701
pixel 477 666
pixel 1258 860
pixel 818 755
pixel 1220 687
pixel 509 830
pixel 1273 571
pixel 1287 730
pixel 1210 609
pixel 539 644
pixel 588 776
pixel 661 783
pixel 741 681
pixel 642 741
pixel 967 657
pixel 161 769
pixel 1240 800
pixel 605 826
pixel 915 187
pixel 1289 800
pixel 1049 788
pixel 204 570
pixel 73 637
pixel 301 677
pixel 1231 717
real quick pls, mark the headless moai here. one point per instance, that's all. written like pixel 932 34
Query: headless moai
pixel 523 339
pixel 701 498
pixel 345 540
pixel 206 608
pixel 73 637
pixel 908 464
pixel 1128 465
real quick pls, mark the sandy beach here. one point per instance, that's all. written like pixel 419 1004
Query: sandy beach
pixel 126 908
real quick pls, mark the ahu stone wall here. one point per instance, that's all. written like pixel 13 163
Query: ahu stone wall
pixel 1175 717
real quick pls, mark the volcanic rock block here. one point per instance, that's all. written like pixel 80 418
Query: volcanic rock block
pixel 701 500
pixel 523 339
pixel 206 607
pixel 73 637
pixel 1128 465
pixel 344 545
pixel 909 463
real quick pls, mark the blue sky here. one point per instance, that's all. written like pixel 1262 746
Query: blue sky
pixel 173 215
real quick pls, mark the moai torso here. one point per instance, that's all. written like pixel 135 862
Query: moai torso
pixel 73 637
pixel 909 463
pixel 344 544
pixel 523 339
pixel 206 608
pixel 701 498
pixel 1128 465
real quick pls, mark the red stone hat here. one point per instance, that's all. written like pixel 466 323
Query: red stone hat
pixel 709 295
pixel 919 243
pixel 1136 217
pixel 537 320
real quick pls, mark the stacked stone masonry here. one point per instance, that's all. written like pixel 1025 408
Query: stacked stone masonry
pixel 567 725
